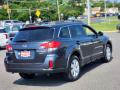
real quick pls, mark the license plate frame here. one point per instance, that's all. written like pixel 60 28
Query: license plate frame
pixel 25 54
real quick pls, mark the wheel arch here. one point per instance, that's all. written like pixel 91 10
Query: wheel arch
pixel 76 53
pixel 110 43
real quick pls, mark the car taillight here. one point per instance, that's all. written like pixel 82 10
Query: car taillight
pixel 8 47
pixel 52 44
pixel 6 36
pixel 50 64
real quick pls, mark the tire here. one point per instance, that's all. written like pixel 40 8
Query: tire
pixel 74 69
pixel 27 76
pixel 107 54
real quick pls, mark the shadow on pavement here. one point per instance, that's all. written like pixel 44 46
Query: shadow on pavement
pixel 91 66
pixel 56 80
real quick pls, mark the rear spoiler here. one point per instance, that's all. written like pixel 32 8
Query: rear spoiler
pixel 35 28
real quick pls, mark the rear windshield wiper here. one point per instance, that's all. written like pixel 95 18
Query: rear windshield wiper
pixel 21 40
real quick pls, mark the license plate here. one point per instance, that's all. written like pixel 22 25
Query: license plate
pixel 25 54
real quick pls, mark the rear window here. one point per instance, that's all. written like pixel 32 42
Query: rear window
pixel 16 22
pixel 7 21
pixel 34 35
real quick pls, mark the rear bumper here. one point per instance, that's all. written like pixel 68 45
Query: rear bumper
pixel 30 68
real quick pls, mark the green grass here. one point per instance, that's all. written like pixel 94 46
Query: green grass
pixel 105 26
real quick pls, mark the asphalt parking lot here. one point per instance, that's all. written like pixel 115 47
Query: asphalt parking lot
pixel 94 76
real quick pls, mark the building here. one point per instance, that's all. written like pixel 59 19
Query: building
pixel 97 1
pixel 112 10
pixel 95 10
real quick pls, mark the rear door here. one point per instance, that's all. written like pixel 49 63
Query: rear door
pixel 83 41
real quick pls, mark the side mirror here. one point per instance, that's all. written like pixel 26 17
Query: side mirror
pixel 100 33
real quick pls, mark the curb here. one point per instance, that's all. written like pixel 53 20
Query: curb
pixel 110 31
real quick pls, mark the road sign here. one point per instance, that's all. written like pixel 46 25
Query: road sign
pixel 38 13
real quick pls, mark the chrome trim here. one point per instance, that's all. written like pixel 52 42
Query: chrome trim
pixel 68 28
pixel 99 47
pixel 92 55
pixel 69 32
pixel 88 43
pixel 60 31
pixel 96 42
pixel 54 33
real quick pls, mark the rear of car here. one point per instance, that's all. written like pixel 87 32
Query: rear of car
pixel 58 48
pixel 32 50
pixel 7 23
pixel 17 23
pixel 12 22
pixel 3 38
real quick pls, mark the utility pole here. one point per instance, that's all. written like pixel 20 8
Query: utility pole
pixel 30 16
pixel 8 10
pixel 88 11
pixel 105 9
pixel 58 10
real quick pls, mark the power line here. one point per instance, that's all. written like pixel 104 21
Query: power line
pixel 23 1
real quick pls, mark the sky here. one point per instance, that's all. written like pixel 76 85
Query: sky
pixel 114 0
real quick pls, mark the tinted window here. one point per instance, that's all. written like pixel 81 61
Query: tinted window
pixel 34 35
pixel 2 31
pixel 7 21
pixel 64 33
pixel 16 22
pixel 76 31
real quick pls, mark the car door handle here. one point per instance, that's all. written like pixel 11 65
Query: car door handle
pixel 78 42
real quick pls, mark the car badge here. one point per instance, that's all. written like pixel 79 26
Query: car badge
pixel 24 46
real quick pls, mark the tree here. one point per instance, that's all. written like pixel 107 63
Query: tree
pixel 3 14
pixel 71 9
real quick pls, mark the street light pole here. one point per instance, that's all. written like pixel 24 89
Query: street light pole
pixel 58 10
pixel 8 10
pixel 88 11
pixel 30 15
pixel 105 9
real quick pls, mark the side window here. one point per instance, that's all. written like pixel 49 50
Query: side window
pixel 89 31
pixel 64 33
pixel 76 31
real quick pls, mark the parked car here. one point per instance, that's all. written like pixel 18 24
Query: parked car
pixel 3 38
pixel 54 48
pixel 119 16
pixel 72 18
pixel 118 27
pixel 29 25
pixel 12 30
pixel 15 29
pixel 12 23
